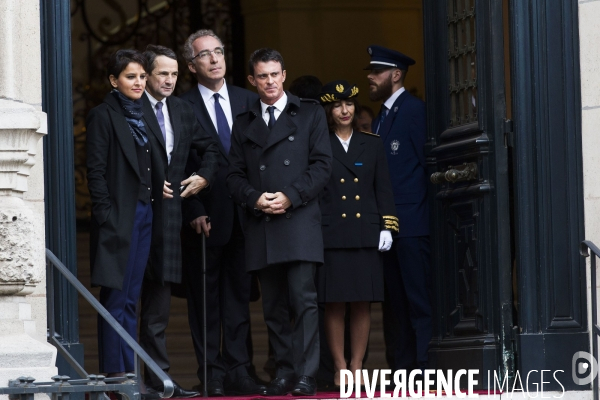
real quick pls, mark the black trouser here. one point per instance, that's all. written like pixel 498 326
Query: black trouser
pixel 154 318
pixel 408 278
pixel 227 304
pixel 288 292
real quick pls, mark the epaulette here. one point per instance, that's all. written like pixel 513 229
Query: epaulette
pixel 370 133
pixel 310 101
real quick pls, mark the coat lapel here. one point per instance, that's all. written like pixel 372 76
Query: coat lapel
pixel 355 149
pixel 257 131
pixel 123 132
pixel 384 130
pixel 151 122
pixel 203 117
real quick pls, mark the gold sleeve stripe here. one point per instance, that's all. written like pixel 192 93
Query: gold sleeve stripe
pixel 390 217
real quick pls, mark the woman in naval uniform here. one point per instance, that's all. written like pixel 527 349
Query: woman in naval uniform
pixel 358 218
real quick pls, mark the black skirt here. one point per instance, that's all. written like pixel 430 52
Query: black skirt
pixel 350 275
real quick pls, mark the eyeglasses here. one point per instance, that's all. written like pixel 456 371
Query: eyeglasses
pixel 204 54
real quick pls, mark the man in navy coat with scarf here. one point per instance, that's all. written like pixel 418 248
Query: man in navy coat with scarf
pixel 401 124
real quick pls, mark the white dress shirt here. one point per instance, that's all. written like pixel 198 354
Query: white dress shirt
pixel 170 139
pixel 279 106
pixel 390 102
pixel 209 101
pixel 345 143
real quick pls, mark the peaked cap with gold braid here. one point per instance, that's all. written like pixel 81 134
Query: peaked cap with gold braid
pixel 337 90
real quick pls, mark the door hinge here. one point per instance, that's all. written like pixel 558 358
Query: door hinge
pixel 509 135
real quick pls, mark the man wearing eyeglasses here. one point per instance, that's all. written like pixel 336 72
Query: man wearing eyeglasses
pixel 216 104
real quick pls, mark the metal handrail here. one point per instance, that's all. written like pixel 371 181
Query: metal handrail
pixel 583 250
pixel 54 262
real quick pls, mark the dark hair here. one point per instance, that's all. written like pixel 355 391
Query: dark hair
pixel 264 55
pixel 306 87
pixel 120 59
pixel 153 51
pixel 329 106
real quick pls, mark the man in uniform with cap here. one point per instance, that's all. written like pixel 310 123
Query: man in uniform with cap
pixel 401 124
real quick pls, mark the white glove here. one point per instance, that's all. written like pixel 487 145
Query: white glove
pixel 385 240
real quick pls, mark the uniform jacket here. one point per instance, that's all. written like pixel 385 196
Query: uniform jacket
pixel 113 182
pixel 293 158
pixel 216 203
pixel 404 133
pixel 357 203
pixel 164 264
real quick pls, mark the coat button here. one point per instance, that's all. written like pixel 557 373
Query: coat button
pixel 288 215
pixel 343 197
pixel 229 196
pixel 355 179
pixel 357 215
pixel 343 215
pixel 253 146
pixel 267 218
pixel 342 180
pixel 286 162
pixel 305 203
pixel 291 138
pixel 263 167
pixel 357 197
pixel 293 113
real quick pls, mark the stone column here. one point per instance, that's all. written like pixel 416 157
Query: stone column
pixel 23 346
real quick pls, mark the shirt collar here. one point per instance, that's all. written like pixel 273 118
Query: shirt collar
pixel 390 102
pixel 153 101
pixel 279 104
pixel 206 93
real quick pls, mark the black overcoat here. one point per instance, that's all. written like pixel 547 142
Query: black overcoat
pixel 217 203
pixel 113 181
pixel 164 264
pixel 293 158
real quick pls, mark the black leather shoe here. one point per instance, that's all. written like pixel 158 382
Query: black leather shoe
pixel 214 388
pixel 279 387
pixel 245 386
pixel 306 386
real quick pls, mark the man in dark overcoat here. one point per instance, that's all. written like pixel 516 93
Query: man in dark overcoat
pixel 173 131
pixel 216 104
pixel 280 160
pixel 402 127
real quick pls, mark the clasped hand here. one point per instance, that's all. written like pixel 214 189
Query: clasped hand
pixel 273 203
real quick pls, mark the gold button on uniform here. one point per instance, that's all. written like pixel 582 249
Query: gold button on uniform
pixel 343 197
pixel 357 197
pixel 357 215
pixel 343 215
pixel 355 179
pixel 342 180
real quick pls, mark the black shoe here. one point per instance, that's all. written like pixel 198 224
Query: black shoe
pixel 178 392
pixel 279 387
pixel 306 386
pixel 214 388
pixel 245 386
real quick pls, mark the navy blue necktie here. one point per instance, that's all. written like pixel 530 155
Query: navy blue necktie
pixel 223 128
pixel 381 117
pixel 271 110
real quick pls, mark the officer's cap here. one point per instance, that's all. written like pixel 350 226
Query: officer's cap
pixel 382 57
pixel 337 90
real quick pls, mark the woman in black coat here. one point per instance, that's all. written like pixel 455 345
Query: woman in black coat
pixel 120 165
pixel 358 216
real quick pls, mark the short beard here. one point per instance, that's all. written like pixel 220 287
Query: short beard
pixel 383 92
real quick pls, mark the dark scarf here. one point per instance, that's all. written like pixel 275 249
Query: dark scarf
pixel 133 114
